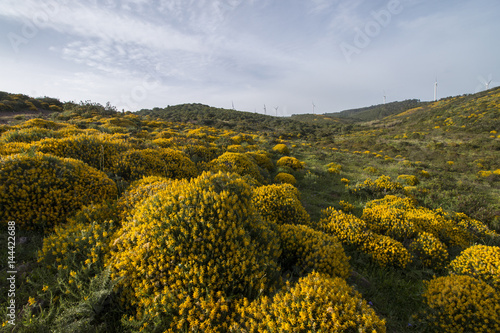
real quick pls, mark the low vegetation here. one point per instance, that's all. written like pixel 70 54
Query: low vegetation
pixel 197 219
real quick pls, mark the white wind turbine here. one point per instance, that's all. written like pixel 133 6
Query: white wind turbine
pixel 384 97
pixel 435 89
pixel 265 110
pixel 276 109
pixel 314 106
pixel 484 83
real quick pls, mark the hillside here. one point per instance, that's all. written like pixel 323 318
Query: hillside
pixel 376 112
pixel 194 218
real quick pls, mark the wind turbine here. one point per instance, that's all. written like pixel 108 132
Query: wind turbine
pixel 435 89
pixel 313 106
pixel 487 85
pixel 232 103
pixel 484 82
pixel 265 110
pixel 384 96
pixel 276 109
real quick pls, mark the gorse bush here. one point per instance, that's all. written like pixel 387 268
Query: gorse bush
pixel 409 179
pixel 139 191
pixel 40 191
pixel 281 149
pixel 82 242
pixel 317 303
pixel 189 247
pixel 27 135
pixel 98 151
pixel 334 168
pixel 262 159
pixel 481 262
pixel 460 303
pixel 390 222
pixel 349 229
pixel 285 178
pixel 430 251
pixel 380 186
pixel 280 204
pixel 290 162
pixel 134 164
pixel 311 250
pixel 386 251
pixel 239 163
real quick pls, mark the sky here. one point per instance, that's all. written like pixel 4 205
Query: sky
pixel 267 56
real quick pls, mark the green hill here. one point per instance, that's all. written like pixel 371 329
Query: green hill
pixel 375 112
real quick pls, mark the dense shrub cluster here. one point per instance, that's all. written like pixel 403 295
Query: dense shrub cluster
pixel 310 250
pixel 386 251
pixel 134 164
pixel 429 250
pixel 239 163
pixel 409 179
pixel 281 148
pixel 481 262
pixel 348 228
pixel 191 246
pixel 280 204
pixel 381 185
pixel 285 178
pixel 98 151
pixel 290 162
pixel 460 303
pixel 40 191
pixel 317 303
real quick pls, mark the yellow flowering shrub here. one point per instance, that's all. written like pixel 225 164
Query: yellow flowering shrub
pixel 281 148
pixel 177 164
pixel 316 303
pixel 390 222
pixel 334 168
pixel 83 241
pixel 481 262
pixel 386 251
pixel 349 229
pixel 199 153
pixel 14 148
pixel 429 250
pixel 262 159
pixel 235 148
pixel 135 163
pixel 409 179
pixel 280 204
pixel 98 151
pixel 27 135
pixel 401 219
pixel 346 207
pixel 311 250
pixel 38 191
pixel 239 163
pixel 382 185
pixel 459 304
pixel 190 247
pixel 290 162
pixel 475 230
pixel 284 177
pixel 41 123
pixel 139 191
pixel 165 162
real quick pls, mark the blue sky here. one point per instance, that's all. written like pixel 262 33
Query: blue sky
pixel 286 54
